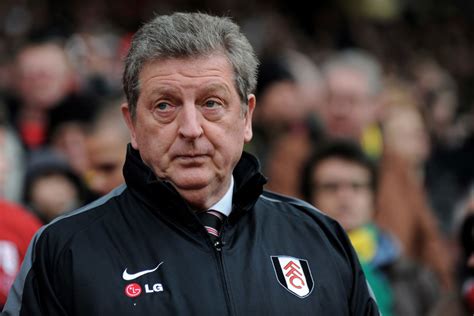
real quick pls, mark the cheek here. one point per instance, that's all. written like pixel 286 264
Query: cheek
pixel 365 206
pixel 148 133
pixel 150 142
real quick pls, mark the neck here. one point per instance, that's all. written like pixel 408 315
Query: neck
pixel 32 113
pixel 203 199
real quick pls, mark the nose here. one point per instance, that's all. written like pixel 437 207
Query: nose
pixel 345 192
pixel 339 107
pixel 190 122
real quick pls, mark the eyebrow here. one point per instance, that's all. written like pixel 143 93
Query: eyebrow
pixel 216 87
pixel 164 90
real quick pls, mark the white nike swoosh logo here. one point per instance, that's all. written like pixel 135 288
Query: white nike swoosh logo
pixel 128 277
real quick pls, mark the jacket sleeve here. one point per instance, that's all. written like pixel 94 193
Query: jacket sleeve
pixel 37 290
pixel 363 299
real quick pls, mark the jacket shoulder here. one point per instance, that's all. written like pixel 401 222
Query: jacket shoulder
pixel 63 228
pixel 291 203
pixel 44 256
pixel 277 206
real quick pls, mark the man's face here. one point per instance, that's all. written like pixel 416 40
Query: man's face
pixel 342 190
pixel 280 105
pixel 189 125
pixel 106 151
pixel 349 108
pixel 43 76
pixel 53 195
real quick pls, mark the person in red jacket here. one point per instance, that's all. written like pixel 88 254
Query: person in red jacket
pixel 17 227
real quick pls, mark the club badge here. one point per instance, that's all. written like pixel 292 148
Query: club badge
pixel 293 274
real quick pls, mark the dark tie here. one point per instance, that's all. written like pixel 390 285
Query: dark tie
pixel 212 221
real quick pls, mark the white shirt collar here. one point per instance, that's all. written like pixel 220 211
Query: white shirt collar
pixel 224 205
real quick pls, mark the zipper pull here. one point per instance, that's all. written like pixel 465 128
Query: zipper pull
pixel 218 244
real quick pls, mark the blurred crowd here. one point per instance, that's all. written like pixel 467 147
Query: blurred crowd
pixel 365 111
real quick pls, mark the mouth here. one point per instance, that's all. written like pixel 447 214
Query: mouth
pixel 191 158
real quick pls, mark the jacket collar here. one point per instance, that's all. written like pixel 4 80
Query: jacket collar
pixel 163 198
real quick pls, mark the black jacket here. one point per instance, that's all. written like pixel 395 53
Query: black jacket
pixel 141 251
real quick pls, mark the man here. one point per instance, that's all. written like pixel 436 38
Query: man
pixel 341 180
pixel 353 79
pixel 106 148
pixel 43 77
pixel 149 246
pixel 17 226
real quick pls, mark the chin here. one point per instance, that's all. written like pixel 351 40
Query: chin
pixel 191 182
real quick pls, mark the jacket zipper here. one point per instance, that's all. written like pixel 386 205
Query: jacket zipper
pixel 218 244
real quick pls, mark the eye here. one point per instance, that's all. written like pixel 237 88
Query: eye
pixel 212 108
pixel 211 104
pixel 163 106
pixel 164 111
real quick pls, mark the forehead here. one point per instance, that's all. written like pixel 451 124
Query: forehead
pixel 211 67
pixel 346 80
pixel 47 53
pixel 336 168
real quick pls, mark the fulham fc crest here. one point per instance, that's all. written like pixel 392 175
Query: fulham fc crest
pixel 294 275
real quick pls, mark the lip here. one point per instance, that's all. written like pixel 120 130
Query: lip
pixel 191 158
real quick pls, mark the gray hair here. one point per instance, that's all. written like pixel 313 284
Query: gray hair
pixel 360 61
pixel 182 35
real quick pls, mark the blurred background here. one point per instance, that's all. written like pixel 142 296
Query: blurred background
pixel 394 77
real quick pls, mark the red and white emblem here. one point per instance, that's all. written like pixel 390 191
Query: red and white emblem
pixel 293 274
pixel 133 290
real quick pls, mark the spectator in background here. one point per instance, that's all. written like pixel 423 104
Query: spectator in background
pixel 340 179
pixel 354 82
pixel 52 187
pixel 309 80
pixel 17 227
pixel 106 148
pixel 286 123
pixel 439 93
pixel 67 129
pixel 401 200
pixel 278 111
pixel 404 129
pixel 449 169
pixel 42 78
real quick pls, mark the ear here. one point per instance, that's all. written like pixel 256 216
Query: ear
pixel 251 102
pixel 129 120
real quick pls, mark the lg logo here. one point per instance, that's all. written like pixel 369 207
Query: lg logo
pixel 134 289
pixel 156 288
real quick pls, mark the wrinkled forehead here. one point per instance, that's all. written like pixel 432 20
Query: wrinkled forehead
pixel 216 67
pixel 193 60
